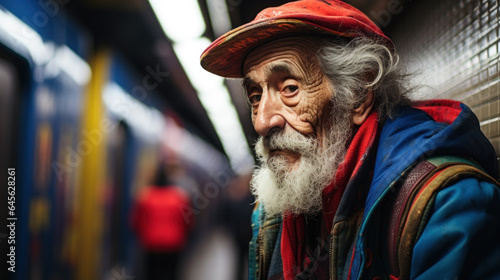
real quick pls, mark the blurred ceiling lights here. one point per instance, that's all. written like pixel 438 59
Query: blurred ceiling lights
pixel 183 23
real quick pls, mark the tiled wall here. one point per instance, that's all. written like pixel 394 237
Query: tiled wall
pixel 455 45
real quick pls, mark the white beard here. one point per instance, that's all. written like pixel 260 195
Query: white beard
pixel 298 190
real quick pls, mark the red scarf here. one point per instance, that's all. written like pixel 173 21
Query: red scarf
pixel 293 250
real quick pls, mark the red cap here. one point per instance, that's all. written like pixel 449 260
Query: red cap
pixel 225 55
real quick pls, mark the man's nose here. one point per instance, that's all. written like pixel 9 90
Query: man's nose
pixel 269 115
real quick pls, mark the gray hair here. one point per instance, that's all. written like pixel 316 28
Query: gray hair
pixel 356 65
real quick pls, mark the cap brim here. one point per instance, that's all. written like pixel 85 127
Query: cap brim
pixel 224 57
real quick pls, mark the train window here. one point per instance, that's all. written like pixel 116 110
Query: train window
pixel 14 79
pixel 9 95
pixel 8 89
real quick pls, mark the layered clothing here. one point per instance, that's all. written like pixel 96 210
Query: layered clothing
pixel 347 240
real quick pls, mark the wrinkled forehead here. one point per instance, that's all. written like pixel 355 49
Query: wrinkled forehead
pixel 299 51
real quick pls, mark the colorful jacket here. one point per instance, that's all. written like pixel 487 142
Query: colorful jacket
pixel 461 239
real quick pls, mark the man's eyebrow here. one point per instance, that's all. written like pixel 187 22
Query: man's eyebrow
pixel 278 68
pixel 246 81
pixel 273 68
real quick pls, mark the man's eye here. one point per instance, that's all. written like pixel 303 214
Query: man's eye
pixel 254 99
pixel 291 89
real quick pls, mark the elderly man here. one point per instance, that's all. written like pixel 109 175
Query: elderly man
pixel 355 181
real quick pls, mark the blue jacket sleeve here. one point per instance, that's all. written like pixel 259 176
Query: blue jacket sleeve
pixel 462 237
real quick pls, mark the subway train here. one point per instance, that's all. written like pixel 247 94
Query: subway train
pixel 78 138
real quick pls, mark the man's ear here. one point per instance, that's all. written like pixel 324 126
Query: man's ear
pixel 360 114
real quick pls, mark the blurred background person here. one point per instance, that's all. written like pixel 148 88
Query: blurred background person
pixel 236 214
pixel 162 226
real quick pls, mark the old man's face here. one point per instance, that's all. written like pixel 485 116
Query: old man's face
pixel 287 89
pixel 291 105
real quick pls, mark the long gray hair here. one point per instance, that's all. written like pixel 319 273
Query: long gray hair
pixel 354 66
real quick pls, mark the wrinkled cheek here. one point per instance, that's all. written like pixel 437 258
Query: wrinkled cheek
pixel 312 119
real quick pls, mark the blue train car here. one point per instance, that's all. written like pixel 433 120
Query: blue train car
pixel 47 54
pixel 82 137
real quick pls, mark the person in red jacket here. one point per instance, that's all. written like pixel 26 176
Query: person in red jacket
pixel 162 228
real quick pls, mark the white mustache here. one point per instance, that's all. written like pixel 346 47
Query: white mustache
pixel 290 140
